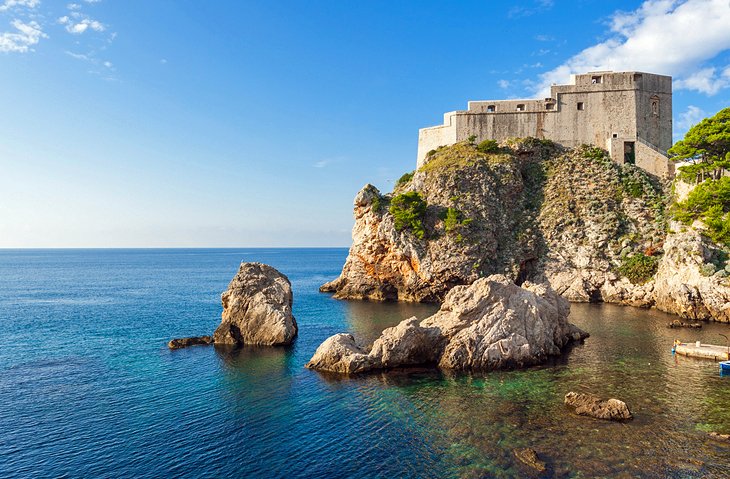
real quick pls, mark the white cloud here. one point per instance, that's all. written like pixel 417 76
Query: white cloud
pixel 707 80
pixel 8 4
pixel 503 84
pixel 321 164
pixel 688 119
pixel 108 64
pixel 27 35
pixel 80 27
pixel 73 6
pixel 671 37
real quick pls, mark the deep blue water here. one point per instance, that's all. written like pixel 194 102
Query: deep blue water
pixel 88 387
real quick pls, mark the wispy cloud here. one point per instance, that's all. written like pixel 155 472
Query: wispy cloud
pixel 10 4
pixel 673 37
pixel 536 6
pixel 78 27
pixel 504 84
pixel 687 120
pixel 25 36
pixel 321 163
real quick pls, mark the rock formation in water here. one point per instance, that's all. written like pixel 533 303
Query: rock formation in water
pixel 531 211
pixel 593 406
pixel 180 343
pixel 257 308
pixel 529 457
pixel 488 325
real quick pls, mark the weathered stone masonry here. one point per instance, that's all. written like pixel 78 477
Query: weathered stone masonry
pixel 627 113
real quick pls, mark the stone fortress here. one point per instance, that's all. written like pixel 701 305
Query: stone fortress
pixel 627 113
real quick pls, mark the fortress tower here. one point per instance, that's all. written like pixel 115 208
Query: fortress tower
pixel 627 113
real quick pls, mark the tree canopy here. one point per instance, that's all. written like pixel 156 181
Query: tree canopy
pixel 707 146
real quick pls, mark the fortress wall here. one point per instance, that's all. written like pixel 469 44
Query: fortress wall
pixel 500 126
pixel 615 108
pixel 655 126
pixel 431 138
pixel 605 113
pixel 652 161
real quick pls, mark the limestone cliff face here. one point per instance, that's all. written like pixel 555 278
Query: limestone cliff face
pixel 532 211
pixel 683 284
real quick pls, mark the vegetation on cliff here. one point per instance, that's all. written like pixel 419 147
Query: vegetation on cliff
pixel 708 202
pixel 707 147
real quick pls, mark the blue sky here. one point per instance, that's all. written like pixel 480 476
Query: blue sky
pixel 139 123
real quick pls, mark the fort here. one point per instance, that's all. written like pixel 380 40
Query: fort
pixel 627 113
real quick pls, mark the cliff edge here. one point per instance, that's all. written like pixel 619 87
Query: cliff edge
pixel 532 211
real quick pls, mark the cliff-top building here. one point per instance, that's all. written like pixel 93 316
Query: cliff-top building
pixel 627 113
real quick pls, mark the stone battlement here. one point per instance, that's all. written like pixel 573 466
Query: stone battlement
pixel 627 113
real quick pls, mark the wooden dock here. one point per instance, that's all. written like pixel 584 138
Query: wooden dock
pixel 706 351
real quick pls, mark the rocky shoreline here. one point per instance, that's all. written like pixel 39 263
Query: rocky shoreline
pixel 535 212
pixel 491 324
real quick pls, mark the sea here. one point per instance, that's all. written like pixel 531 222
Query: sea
pixel 89 389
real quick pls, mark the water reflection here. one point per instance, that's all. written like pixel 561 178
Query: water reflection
pixel 366 319
pixel 475 421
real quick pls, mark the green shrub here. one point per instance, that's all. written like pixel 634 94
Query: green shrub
pixel 454 219
pixel 408 211
pixel 710 202
pixel 377 204
pixel 639 268
pixel 404 179
pixel 488 146
pixel 471 139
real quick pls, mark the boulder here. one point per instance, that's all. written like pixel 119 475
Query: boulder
pixel 257 308
pixel 192 341
pixel 530 458
pixel 490 324
pixel 593 406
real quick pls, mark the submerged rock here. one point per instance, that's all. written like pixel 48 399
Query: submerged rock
pixel 491 324
pixel 530 458
pixel 681 324
pixel 593 406
pixel 192 341
pixel 257 308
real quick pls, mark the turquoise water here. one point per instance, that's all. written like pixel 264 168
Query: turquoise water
pixel 88 387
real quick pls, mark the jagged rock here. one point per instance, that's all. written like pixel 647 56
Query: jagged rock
pixel 530 458
pixel 257 308
pixel 489 325
pixel 721 437
pixel 511 223
pixel 681 324
pixel 537 213
pixel 681 288
pixel 593 406
pixel 340 354
pixel 192 341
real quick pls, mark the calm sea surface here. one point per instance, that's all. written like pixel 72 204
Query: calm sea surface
pixel 88 387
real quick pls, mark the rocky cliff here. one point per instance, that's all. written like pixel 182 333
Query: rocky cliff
pixel 532 211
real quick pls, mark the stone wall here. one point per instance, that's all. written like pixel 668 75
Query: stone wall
pixel 597 108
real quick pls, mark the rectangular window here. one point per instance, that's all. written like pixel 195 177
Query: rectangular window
pixel 596 79
pixel 521 107
pixel 491 109
pixel 581 106
pixel 549 106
